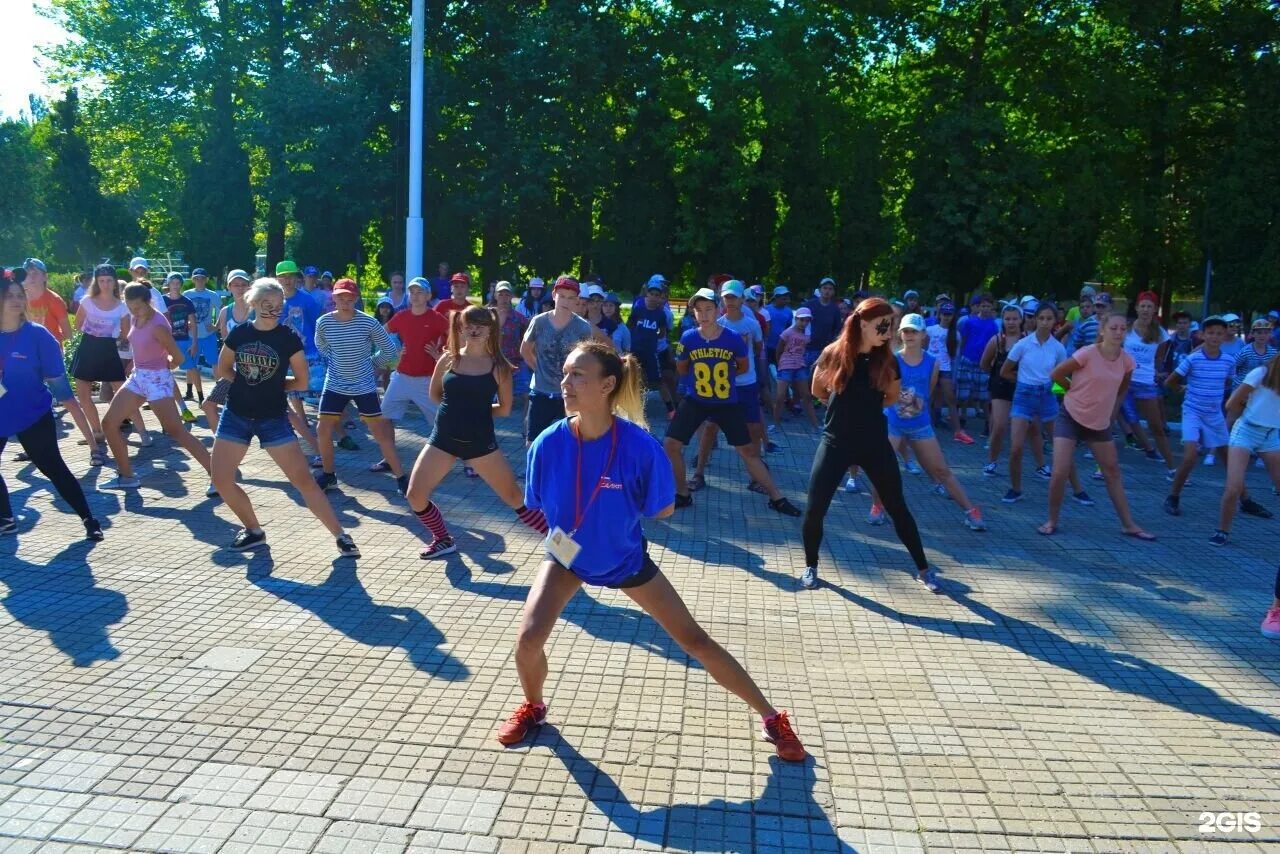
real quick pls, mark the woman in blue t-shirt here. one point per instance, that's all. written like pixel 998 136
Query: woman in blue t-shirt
pixel 30 367
pixel 595 476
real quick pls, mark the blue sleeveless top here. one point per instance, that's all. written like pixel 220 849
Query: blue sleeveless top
pixel 912 409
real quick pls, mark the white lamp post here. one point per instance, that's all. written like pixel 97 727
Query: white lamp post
pixel 413 223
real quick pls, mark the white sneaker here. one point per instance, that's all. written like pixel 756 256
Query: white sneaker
pixel 1209 459
pixel 851 485
pixel 145 440
pixel 772 428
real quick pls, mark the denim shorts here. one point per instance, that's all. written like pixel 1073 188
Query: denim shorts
pixel 791 375
pixel 1137 391
pixel 912 434
pixel 1255 437
pixel 1034 402
pixel 272 431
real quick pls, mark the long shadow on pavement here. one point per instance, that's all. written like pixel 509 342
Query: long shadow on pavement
pixel 342 601
pixel 610 623
pixel 60 597
pixel 1117 671
pixel 783 813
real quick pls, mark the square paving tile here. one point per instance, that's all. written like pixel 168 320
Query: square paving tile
pixel 72 770
pixel 453 808
pixel 375 800
pixel 110 820
pixel 346 836
pixel 303 792
pixel 195 828
pixel 222 785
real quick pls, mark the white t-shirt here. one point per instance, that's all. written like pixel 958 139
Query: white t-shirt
pixel 1036 361
pixel 938 345
pixel 1144 355
pixel 749 329
pixel 1263 407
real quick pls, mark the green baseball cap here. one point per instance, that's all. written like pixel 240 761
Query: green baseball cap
pixel 287 267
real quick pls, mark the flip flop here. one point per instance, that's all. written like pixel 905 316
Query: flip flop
pixel 1140 534
pixel 1053 529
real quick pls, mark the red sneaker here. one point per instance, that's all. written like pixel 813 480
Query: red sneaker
pixel 778 732
pixel 526 717
pixel 963 438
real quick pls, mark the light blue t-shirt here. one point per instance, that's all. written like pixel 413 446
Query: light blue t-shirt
pixel 1206 380
pixel 635 481
pixel 207 302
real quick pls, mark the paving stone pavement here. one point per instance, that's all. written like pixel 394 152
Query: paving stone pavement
pixel 1083 692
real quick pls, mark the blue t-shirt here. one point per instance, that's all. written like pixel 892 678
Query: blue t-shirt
pixel 300 314
pixel 638 483
pixel 648 326
pixel 180 312
pixel 1206 380
pixel 713 365
pixel 912 409
pixel 206 302
pixel 780 318
pixel 28 356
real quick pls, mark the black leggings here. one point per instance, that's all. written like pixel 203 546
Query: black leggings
pixel 40 441
pixel 877 459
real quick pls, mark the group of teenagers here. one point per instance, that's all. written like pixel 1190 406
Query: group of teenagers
pixel 593 469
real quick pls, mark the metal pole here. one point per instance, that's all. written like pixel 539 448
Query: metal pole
pixel 413 223
pixel 1208 284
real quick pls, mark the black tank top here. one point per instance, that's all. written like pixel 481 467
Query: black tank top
pixel 466 406
pixel 997 383
pixel 858 410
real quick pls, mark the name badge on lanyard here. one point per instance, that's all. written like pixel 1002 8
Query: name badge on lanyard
pixel 561 544
pixel 563 547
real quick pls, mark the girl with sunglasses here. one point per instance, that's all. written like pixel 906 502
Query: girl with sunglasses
pixel 857 377
pixel 255 360
pixel 32 374
pixel 470 376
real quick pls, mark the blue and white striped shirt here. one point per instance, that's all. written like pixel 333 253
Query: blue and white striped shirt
pixel 352 347
pixel 1206 380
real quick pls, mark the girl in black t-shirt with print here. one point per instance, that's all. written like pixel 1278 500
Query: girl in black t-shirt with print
pixel 256 357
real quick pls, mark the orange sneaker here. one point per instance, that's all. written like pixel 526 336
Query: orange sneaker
pixel 526 717
pixel 778 732
pixel 963 438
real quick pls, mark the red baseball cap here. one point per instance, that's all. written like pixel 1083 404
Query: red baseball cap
pixel 567 283
pixel 346 286
pixel 460 279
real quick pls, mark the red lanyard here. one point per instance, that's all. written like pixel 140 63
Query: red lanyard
pixel 579 510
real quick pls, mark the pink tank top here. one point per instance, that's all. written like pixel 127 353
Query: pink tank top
pixel 149 353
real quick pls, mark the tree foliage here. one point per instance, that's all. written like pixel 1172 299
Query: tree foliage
pixel 1008 144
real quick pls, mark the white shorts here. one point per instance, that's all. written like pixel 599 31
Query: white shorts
pixel 1208 429
pixel 150 383
pixel 1254 437
pixel 403 390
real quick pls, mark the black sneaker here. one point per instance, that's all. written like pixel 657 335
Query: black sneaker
pixel 785 507
pixel 1172 506
pixel 247 540
pixel 1249 507
pixel 1219 538
pixel 347 546
pixel 326 480
pixel 8 525
pixel 681 501
pixel 438 548
pixel 402 483
pixel 93 530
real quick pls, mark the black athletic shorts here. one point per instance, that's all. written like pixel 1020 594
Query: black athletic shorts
pixel 731 418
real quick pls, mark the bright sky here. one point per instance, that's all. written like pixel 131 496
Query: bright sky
pixel 21 65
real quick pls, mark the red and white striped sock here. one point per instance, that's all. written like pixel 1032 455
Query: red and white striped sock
pixel 431 518
pixel 533 518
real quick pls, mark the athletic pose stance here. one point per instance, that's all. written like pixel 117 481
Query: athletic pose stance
pixel 857 377
pixel 465 382
pixel 30 367
pixel 596 476
pixel 1206 372
pixel 1096 378
pixel 155 355
pixel 255 359
pixel 346 338
pixel 1255 408
pixel 714 355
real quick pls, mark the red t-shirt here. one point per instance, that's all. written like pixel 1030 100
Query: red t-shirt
pixel 416 331
pixel 49 311
pixel 448 307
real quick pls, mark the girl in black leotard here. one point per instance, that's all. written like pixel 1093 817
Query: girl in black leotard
pixel 857 376
pixel 465 383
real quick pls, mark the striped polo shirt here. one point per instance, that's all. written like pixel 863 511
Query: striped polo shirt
pixel 1206 380
pixel 352 347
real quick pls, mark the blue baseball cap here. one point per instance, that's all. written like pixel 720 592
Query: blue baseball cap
pixel 733 288
pixel 326 275
pixel 199 271
pixel 139 261
pixel 310 271
pixel 172 276
pixel 418 282
pixel 34 264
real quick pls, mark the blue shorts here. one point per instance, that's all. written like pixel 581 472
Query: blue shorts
pixel 189 362
pixel 912 434
pixel 208 349
pixel 749 397
pixel 811 357
pixel 521 379
pixel 334 403
pixel 1255 437
pixel 1208 429
pixel 791 375
pixel 1137 391
pixel 240 431
pixel 1034 402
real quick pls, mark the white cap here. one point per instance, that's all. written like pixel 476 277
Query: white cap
pixel 238 274
pixel 502 286
pixel 782 291
pixel 593 291
pixel 1231 318
pixel 139 262
pixel 912 321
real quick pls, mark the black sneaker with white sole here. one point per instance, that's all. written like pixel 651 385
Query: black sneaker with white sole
pixel 8 525
pixel 247 539
pixel 785 507
pixel 438 548
pixel 93 530
pixel 347 546
pixel 326 480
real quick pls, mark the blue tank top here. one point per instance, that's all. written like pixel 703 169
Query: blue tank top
pixel 912 409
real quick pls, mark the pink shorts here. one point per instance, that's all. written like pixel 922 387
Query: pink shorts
pixel 150 383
